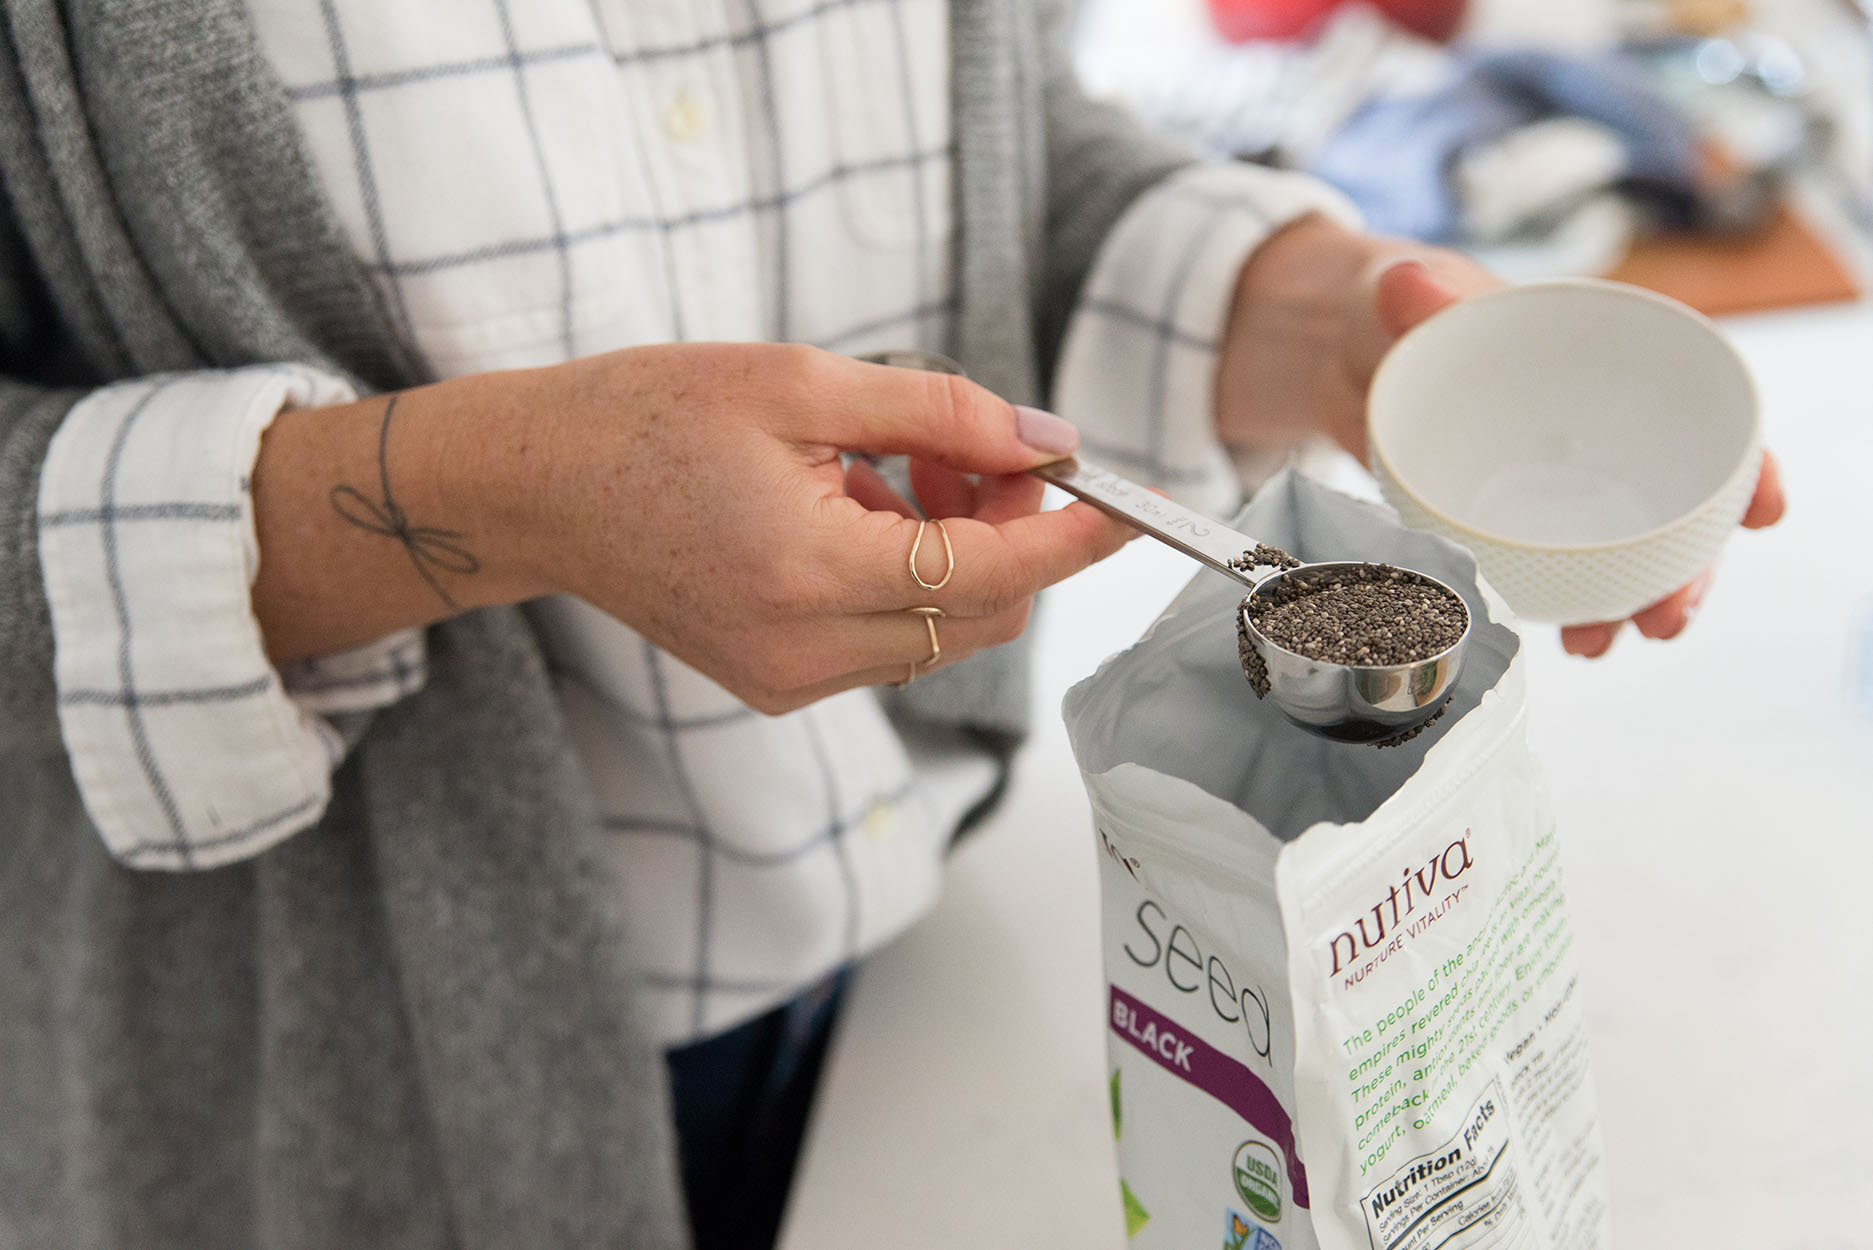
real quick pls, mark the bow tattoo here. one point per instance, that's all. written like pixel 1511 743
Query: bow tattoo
pixel 433 551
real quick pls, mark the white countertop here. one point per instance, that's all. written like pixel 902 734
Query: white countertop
pixel 1715 797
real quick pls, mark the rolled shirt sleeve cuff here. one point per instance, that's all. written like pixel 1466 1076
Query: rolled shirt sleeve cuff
pixel 1137 372
pixel 187 747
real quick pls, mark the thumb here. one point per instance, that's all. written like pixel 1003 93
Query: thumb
pixel 1408 292
pixel 939 417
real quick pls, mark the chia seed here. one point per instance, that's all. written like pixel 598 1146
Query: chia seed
pixel 1368 615
pixel 1253 666
pixel 1397 740
pixel 1264 555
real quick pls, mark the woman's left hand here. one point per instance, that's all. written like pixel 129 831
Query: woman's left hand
pixel 1316 309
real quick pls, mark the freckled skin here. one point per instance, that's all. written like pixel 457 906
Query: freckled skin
pixel 696 492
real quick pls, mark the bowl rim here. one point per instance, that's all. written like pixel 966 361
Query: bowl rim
pixel 1750 461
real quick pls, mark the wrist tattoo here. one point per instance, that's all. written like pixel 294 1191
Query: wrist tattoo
pixel 432 550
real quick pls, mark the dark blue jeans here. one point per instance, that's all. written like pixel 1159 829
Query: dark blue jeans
pixel 742 1100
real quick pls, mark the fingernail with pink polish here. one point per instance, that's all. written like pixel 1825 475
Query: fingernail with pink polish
pixel 1408 263
pixel 1043 431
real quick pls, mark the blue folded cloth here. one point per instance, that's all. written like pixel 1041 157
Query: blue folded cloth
pixel 1394 156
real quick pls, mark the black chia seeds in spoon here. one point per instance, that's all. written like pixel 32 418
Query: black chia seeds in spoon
pixel 1370 615
pixel 1366 615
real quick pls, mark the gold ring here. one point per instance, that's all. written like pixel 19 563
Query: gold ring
pixel 930 617
pixel 949 560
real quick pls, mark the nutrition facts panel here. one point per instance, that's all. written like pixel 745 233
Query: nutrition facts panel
pixel 1465 1195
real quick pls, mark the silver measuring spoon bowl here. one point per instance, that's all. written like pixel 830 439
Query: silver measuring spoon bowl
pixel 1379 703
pixel 1352 702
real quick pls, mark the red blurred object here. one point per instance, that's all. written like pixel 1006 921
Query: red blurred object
pixel 1434 19
pixel 1241 20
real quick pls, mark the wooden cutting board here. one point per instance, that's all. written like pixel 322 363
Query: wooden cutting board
pixel 1784 262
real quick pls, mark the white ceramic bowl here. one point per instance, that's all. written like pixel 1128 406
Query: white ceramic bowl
pixel 1594 444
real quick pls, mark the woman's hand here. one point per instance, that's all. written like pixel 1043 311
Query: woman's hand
pixel 696 492
pixel 1316 309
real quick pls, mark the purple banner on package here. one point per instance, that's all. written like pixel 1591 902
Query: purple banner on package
pixel 1210 1070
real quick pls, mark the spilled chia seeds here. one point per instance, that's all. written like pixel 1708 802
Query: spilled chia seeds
pixel 1365 615
pixel 1263 554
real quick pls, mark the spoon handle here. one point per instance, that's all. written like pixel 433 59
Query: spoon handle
pixel 1197 536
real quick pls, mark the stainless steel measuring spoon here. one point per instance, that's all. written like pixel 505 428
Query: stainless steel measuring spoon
pixel 1380 703
pixel 1346 702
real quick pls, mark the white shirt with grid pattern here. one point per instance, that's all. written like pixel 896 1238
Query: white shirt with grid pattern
pixel 533 182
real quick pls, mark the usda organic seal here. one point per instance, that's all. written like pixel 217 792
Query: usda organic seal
pixel 1257 1170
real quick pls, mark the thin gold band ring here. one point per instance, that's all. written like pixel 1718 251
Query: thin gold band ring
pixel 931 615
pixel 949 557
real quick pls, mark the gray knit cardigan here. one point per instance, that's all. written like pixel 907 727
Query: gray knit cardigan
pixel 412 1025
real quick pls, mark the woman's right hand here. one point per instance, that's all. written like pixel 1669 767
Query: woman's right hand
pixel 694 491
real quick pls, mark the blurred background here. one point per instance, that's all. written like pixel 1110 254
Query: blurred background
pixel 1719 150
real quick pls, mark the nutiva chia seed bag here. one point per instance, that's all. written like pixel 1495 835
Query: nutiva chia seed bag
pixel 1343 1007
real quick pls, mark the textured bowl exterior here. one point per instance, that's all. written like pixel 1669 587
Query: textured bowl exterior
pixel 1599 582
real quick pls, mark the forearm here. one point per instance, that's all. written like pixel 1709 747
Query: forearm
pixel 695 492
pixel 396 511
